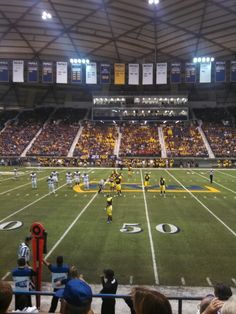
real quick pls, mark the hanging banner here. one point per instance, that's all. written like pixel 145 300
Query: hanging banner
pixel 147 74
pixel 190 73
pixel 47 72
pixel 76 73
pixel 91 73
pixel 175 73
pixel 18 71
pixel 4 71
pixel 205 72
pixel 119 73
pixel 133 74
pixel 233 71
pixel 161 73
pixel 105 73
pixel 220 71
pixel 61 72
pixel 33 72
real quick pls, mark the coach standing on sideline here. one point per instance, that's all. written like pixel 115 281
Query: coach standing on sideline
pixel 109 284
pixel 59 273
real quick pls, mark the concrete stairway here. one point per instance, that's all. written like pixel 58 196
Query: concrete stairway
pixel 162 142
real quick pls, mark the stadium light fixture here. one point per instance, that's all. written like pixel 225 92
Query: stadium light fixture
pixel 203 59
pixel 46 15
pixel 75 61
pixel 155 2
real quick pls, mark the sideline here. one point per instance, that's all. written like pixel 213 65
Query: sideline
pixel 200 202
pixel 150 234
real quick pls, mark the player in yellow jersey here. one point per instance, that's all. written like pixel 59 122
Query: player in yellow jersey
pixel 129 171
pixel 163 186
pixel 146 181
pixel 109 209
pixel 118 185
pixel 112 184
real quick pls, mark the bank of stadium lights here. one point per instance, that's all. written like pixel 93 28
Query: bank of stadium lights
pixel 155 2
pixel 203 59
pixel 79 61
pixel 46 15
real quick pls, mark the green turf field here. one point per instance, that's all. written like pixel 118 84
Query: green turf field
pixel 202 250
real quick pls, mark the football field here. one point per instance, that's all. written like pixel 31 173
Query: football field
pixel 187 238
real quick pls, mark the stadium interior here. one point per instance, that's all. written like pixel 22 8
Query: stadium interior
pixel 113 120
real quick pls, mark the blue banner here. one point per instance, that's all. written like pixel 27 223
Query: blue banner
pixel 33 72
pixel 220 71
pixel 233 71
pixel 4 71
pixel 190 73
pixel 175 73
pixel 76 73
pixel 105 73
pixel 47 72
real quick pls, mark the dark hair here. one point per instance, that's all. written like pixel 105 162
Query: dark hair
pixel 5 296
pixel 59 260
pixel 27 239
pixel 222 291
pixel 150 302
pixel 109 273
pixel 21 261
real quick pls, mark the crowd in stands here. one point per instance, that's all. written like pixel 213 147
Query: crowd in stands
pixel 19 132
pixel 183 140
pixel 217 125
pixel 5 116
pixel 58 134
pixel 139 140
pixel 97 139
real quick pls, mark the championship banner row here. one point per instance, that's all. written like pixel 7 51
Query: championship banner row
pixel 88 73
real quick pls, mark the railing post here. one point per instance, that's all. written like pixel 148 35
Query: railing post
pixel 180 306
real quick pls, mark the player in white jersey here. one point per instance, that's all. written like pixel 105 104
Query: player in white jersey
pixel 77 177
pixel 51 185
pixel 69 179
pixel 85 177
pixel 101 185
pixel 15 173
pixel 54 175
pixel 33 177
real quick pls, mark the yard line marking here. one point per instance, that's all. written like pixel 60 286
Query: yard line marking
pixel 183 281
pixel 227 174
pixel 6 275
pixel 209 281
pixel 224 187
pixel 71 225
pixel 150 233
pixel 200 202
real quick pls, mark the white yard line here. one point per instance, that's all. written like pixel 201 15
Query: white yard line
pixel 200 202
pixel 150 234
pixel 6 275
pixel 224 187
pixel 227 174
pixel 70 226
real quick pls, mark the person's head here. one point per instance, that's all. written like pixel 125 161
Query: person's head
pixel 21 262
pixel 5 296
pixel 108 274
pixel 229 306
pixel 28 240
pixel 222 291
pixel 74 273
pixel 77 297
pixel 150 302
pixel 59 260
pixel 205 302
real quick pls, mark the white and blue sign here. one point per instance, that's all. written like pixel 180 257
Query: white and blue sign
pixel 220 71
pixel 105 73
pixel 190 73
pixel 47 72
pixel 76 73
pixel 175 73
pixel 4 71
pixel 32 71
pixel 233 71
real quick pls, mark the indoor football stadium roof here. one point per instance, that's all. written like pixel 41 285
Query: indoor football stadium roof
pixel 118 30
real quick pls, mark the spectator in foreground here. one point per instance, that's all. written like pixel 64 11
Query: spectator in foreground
pixel 214 306
pixel 5 296
pixel 222 292
pixel 146 301
pixel 109 284
pixel 205 302
pixel 229 306
pixel 76 297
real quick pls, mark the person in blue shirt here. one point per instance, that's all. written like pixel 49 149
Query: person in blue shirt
pixel 59 273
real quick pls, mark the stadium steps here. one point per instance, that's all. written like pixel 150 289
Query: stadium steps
pixel 8 121
pixel 76 139
pixel 37 134
pixel 205 141
pixel 162 142
pixel 118 142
